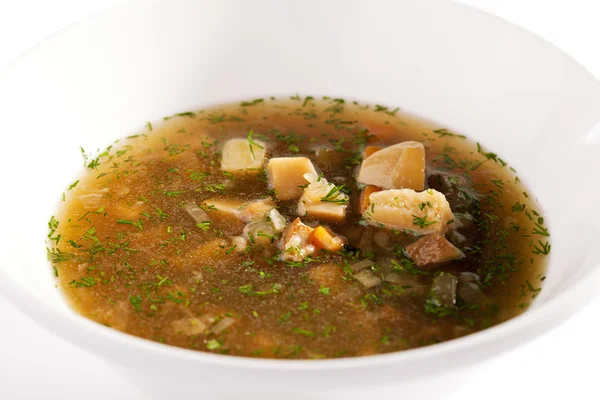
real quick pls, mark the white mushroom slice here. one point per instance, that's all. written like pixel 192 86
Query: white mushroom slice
pixel 419 213
pixel 243 154
pixel 294 242
pixel 286 176
pixel 322 199
pixel 432 249
pixel 254 210
pixel 401 166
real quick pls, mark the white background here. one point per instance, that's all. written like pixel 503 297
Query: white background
pixel 562 364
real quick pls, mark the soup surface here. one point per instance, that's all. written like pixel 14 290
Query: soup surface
pixel 297 228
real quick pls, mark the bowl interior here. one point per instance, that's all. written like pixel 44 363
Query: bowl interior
pixel 104 78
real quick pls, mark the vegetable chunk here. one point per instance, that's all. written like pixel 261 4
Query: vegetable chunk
pixel 432 249
pixel 295 242
pixel 254 210
pixel 266 229
pixel 418 213
pixel 322 238
pixel 401 166
pixel 369 151
pixel 286 176
pixel 364 202
pixel 243 154
pixel 322 199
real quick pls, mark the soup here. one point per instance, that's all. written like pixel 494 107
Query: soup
pixel 298 228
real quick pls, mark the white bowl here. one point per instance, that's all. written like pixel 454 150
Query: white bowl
pixel 106 76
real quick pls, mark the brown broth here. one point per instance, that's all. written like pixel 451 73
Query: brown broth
pixel 131 258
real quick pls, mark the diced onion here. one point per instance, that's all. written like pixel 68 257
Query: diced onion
pixel 456 237
pixel 350 294
pixel 92 201
pixel 469 292
pixel 367 278
pixel 222 325
pixel 366 241
pixel 123 191
pixel 382 239
pixel 444 289
pixel 196 212
pixel 239 242
pixel 463 220
pixel 197 276
pixel 278 220
pixel 394 277
pixel 468 277
pixel 262 232
pixel 189 326
pixel 362 264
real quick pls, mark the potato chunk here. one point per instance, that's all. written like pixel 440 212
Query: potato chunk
pixel 401 166
pixel 432 249
pixel 286 175
pixel 294 242
pixel 322 199
pixel 418 213
pixel 241 154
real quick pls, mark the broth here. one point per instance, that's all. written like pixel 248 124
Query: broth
pixel 156 240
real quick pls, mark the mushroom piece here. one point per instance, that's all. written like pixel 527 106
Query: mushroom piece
pixel 295 242
pixel 401 166
pixel 432 249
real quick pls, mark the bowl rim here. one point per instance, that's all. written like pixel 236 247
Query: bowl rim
pixel 69 325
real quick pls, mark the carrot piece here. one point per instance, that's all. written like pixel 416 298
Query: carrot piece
pixel 381 131
pixel 322 238
pixel 369 151
pixel 364 201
